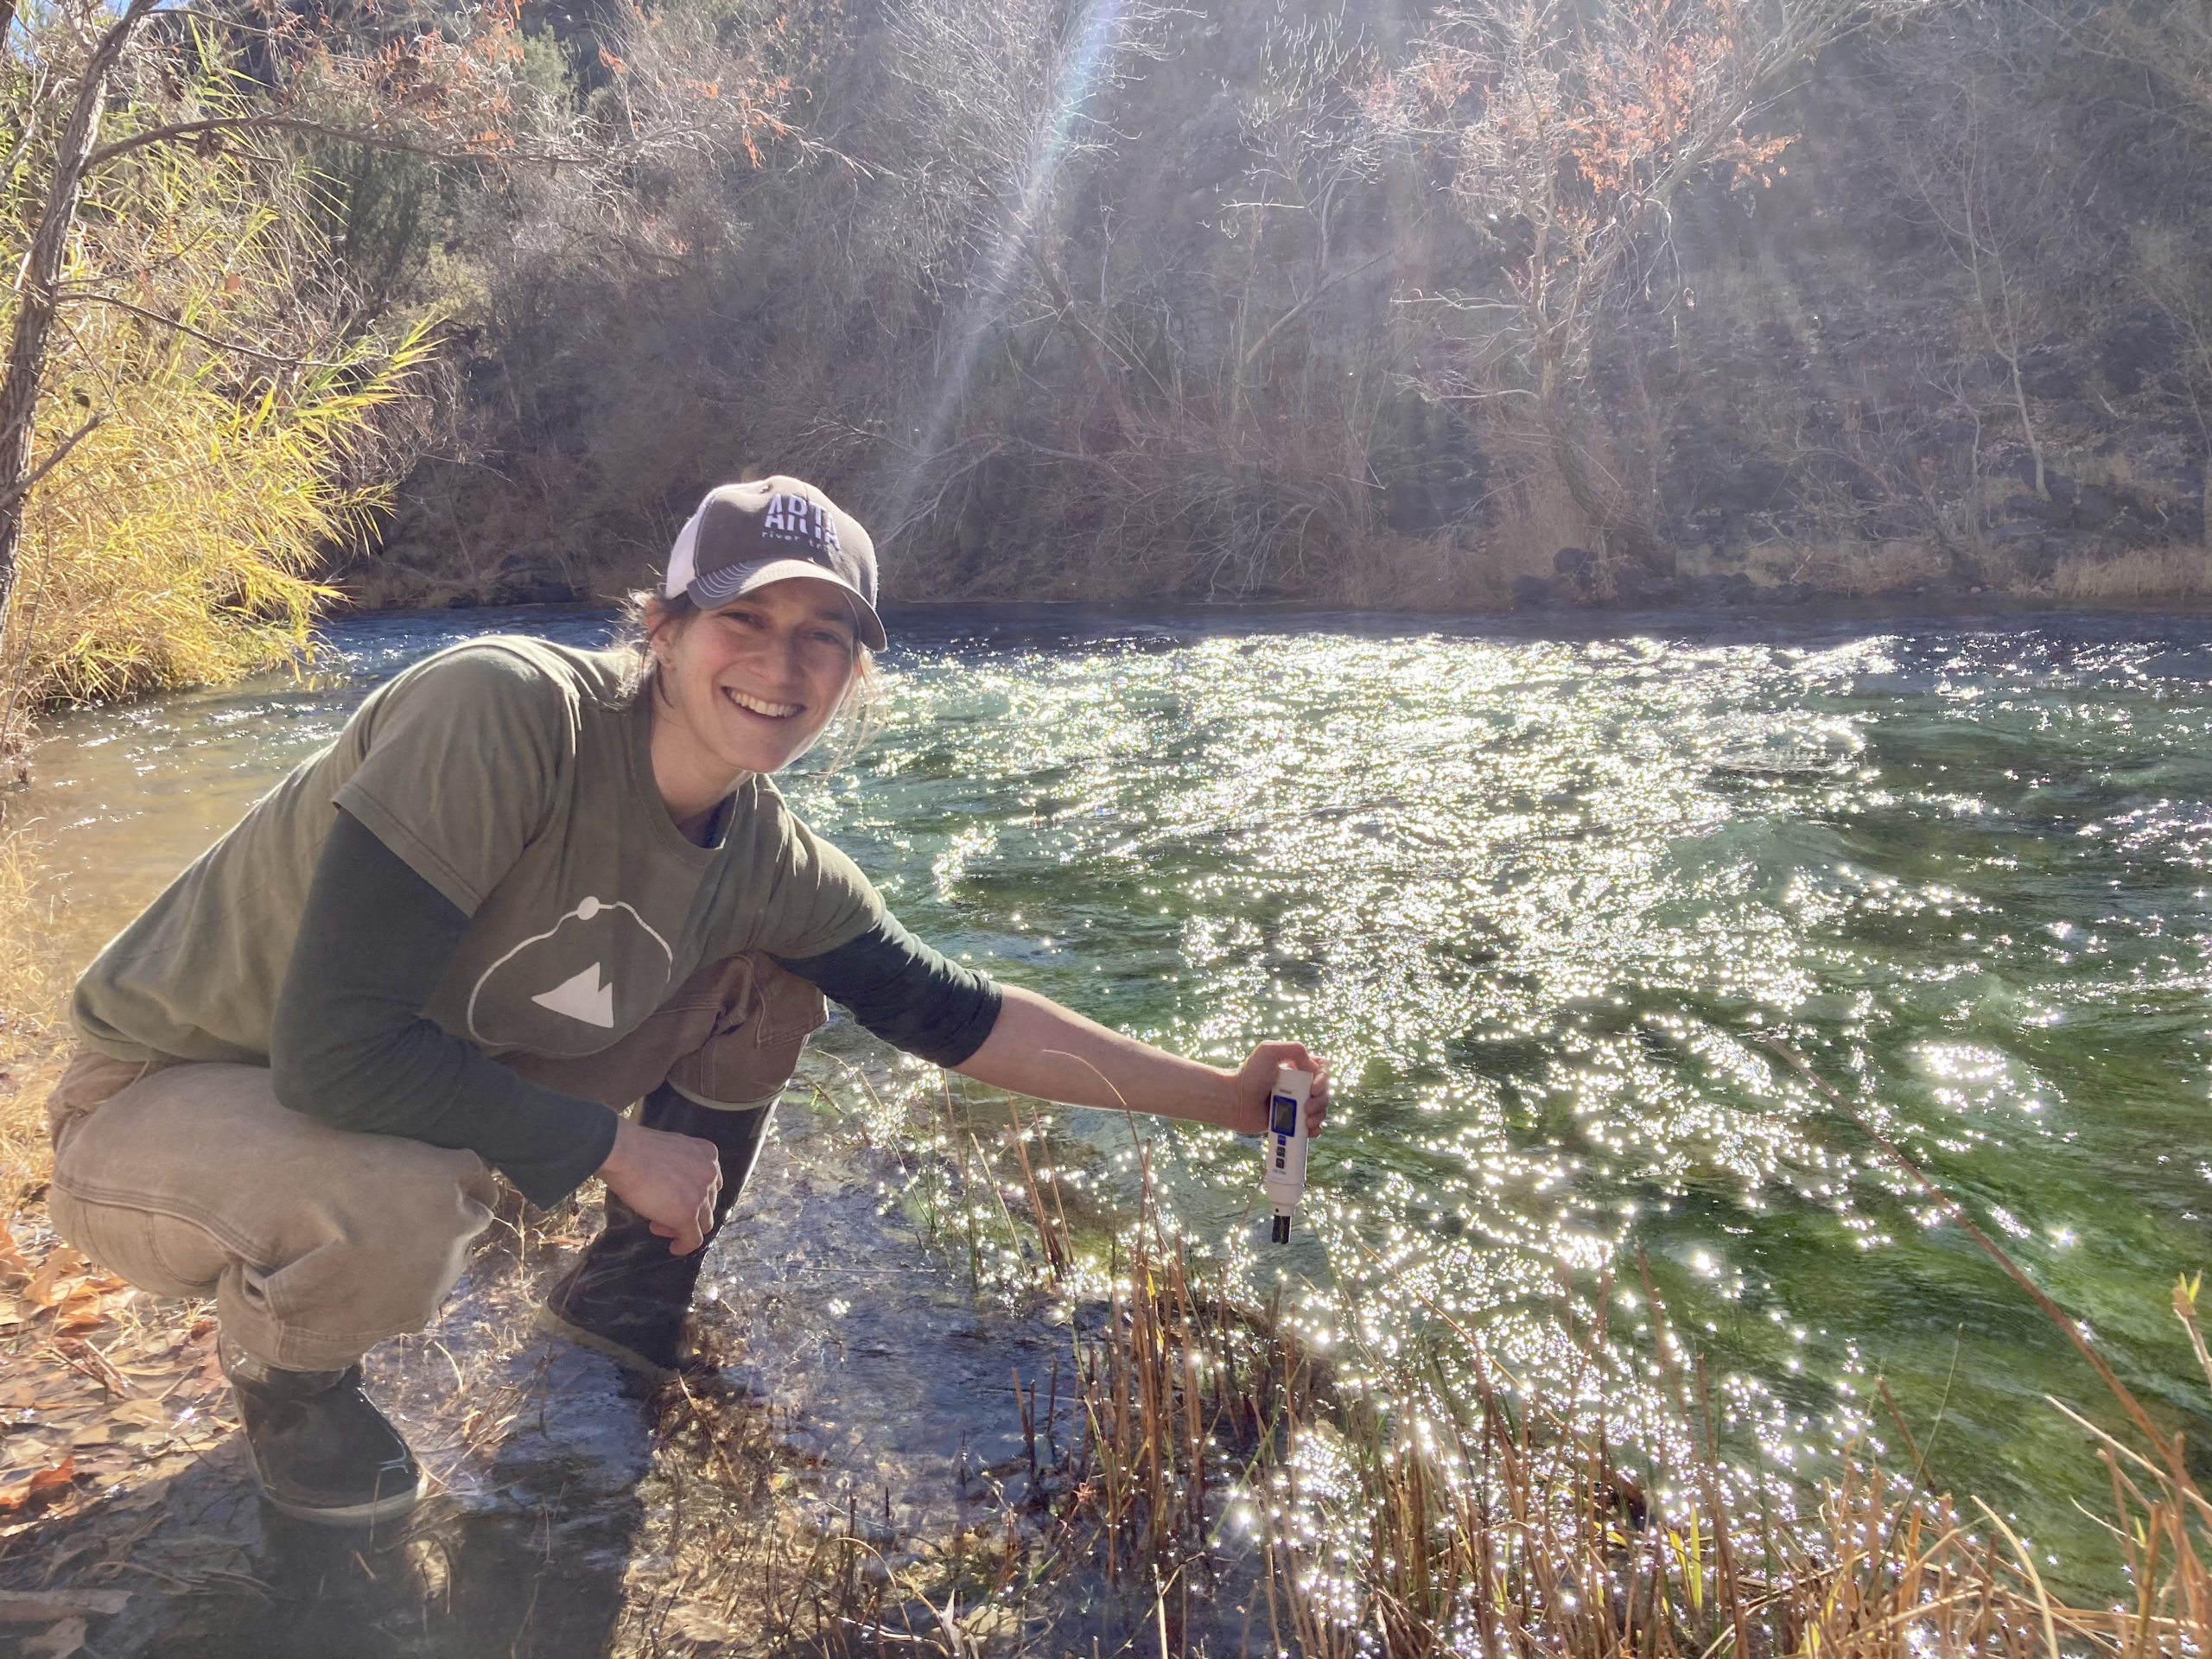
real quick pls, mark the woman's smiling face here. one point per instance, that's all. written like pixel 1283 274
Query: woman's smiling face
pixel 749 686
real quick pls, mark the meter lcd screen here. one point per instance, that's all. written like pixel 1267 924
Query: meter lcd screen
pixel 1284 1119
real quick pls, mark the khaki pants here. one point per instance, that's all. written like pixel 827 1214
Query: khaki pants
pixel 316 1242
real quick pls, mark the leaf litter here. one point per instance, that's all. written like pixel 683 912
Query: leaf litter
pixel 105 1388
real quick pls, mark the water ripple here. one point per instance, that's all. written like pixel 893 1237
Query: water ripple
pixel 1545 901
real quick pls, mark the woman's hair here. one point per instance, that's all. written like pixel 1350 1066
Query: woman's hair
pixel 633 631
pixel 858 718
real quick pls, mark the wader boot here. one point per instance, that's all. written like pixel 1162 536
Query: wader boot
pixel 627 1296
pixel 321 1450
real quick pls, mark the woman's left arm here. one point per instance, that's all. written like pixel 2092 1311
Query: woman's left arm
pixel 914 997
pixel 1037 1047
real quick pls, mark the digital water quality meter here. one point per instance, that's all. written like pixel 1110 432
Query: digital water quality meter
pixel 1284 1145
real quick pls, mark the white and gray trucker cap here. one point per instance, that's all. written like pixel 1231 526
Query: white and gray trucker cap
pixel 746 536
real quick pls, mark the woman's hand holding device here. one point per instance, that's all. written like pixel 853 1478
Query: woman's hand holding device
pixel 1256 1086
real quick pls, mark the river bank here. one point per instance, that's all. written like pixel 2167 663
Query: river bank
pixel 807 1484
pixel 2167 580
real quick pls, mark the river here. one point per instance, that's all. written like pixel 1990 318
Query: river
pixel 1544 898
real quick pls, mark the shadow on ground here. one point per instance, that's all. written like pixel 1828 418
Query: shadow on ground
pixel 574 1514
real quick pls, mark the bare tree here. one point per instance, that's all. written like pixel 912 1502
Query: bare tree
pixel 2164 52
pixel 1567 132
pixel 1991 247
pixel 1006 100
pixel 1316 145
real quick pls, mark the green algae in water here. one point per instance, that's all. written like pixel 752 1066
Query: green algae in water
pixel 1543 902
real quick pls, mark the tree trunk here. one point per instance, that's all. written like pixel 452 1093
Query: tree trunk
pixel 1101 379
pixel 35 291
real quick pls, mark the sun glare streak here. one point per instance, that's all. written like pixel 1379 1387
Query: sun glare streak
pixel 1080 73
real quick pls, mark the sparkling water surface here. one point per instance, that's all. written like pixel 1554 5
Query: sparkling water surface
pixel 1547 903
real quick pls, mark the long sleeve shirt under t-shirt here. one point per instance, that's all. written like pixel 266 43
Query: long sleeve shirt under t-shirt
pixel 481 866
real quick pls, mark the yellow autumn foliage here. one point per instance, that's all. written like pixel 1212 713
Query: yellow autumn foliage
pixel 201 327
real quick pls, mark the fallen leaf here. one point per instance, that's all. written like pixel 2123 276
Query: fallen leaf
pixel 21 1399
pixel 39 1606
pixel 59 1642
pixel 47 1286
pixel 93 1435
pixel 11 1259
pixel 19 1487
pixel 151 1413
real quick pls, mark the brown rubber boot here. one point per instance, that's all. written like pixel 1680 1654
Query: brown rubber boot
pixel 627 1296
pixel 321 1450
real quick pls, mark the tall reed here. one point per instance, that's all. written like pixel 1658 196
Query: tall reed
pixel 1413 1515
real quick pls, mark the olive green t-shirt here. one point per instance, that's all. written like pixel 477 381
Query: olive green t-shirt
pixel 515 777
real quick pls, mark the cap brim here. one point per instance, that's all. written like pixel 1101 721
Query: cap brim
pixel 720 586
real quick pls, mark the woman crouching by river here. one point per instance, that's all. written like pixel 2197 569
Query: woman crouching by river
pixel 527 889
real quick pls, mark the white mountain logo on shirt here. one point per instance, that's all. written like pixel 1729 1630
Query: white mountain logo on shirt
pixel 586 997
pixel 534 999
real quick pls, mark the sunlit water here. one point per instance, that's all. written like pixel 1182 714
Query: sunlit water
pixel 1544 902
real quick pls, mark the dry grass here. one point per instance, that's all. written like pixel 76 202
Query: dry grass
pixel 1533 518
pixel 1416 1517
pixel 2136 577
pixel 1859 569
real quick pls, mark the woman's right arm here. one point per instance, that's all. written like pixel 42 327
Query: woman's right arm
pixel 349 1046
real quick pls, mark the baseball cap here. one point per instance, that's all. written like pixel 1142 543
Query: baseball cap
pixel 746 536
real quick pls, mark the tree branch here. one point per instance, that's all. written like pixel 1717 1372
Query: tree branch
pixel 22 488
pixel 319 129
pixel 1298 309
pixel 183 327
pixel 40 275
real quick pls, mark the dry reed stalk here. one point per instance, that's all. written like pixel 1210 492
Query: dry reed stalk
pixel 1052 1224
pixel 1494 1519
pixel 2138 576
